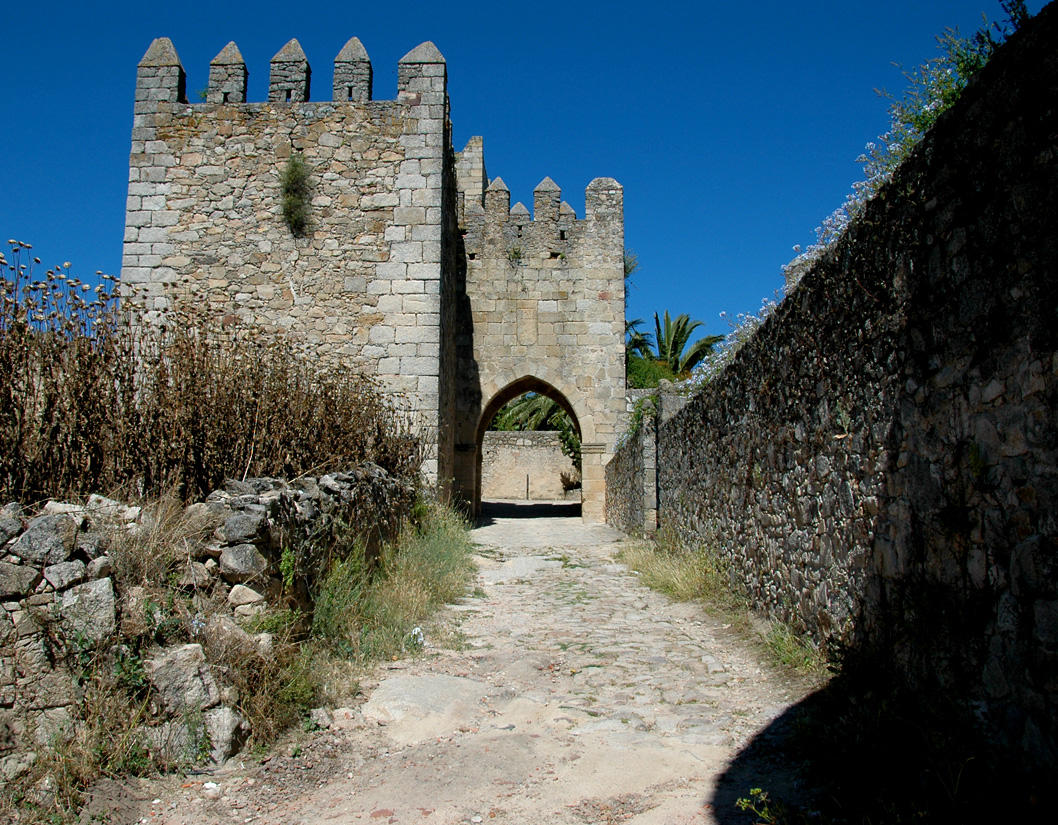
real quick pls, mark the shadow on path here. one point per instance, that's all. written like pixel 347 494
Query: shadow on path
pixel 492 510
pixel 861 752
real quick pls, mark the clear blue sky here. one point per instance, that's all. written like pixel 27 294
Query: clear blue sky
pixel 734 127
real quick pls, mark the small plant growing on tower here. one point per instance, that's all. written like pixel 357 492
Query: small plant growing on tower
pixel 295 185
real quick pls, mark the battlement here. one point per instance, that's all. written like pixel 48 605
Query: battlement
pixel 492 227
pixel 161 78
pixel 410 264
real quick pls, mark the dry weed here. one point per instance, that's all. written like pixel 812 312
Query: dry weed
pixel 91 400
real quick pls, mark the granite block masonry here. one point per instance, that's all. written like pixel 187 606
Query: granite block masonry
pixel 414 268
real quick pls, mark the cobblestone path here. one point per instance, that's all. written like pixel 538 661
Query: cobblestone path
pixel 575 696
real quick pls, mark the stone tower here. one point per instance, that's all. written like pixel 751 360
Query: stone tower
pixel 413 267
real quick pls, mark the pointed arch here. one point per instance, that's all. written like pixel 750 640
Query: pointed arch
pixel 508 392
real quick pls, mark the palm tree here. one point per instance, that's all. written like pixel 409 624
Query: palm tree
pixel 638 343
pixel 533 411
pixel 671 339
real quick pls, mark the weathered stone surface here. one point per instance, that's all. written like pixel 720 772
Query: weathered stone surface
pixel 92 544
pixel 16 580
pixel 89 610
pixel 422 696
pixel 67 573
pixel 48 539
pixel 242 563
pixel 173 743
pixel 9 528
pixel 321 718
pixel 240 595
pixel 11 730
pixel 195 575
pixel 223 631
pixel 99 568
pixel 183 679
pixel 517 462
pixel 16 764
pixel 249 611
pixel 227 732
pixel 55 508
pixel 48 688
pixel 54 726
pixel 244 528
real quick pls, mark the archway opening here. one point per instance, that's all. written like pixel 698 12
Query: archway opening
pixel 528 452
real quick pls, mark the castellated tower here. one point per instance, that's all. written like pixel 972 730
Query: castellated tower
pixel 411 267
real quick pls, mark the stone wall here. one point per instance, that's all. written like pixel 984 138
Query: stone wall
pixel 631 482
pixel 879 462
pixel 64 598
pixel 409 270
pixel 509 459
pixel 362 289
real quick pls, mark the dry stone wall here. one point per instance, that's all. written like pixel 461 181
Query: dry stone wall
pixel 64 601
pixel 879 463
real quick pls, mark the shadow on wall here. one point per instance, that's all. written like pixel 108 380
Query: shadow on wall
pixel 933 448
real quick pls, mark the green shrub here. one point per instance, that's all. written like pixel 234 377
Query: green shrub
pixel 294 183
pixel 372 614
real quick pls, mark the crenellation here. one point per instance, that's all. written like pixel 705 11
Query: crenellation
pixel 352 73
pixel 290 75
pixel 407 244
pixel 160 77
pixel 546 200
pixel 228 76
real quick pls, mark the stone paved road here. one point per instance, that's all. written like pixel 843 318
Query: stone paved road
pixel 579 697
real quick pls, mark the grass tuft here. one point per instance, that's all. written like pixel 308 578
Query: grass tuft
pixel 699 574
pixel 369 616
pixel 682 573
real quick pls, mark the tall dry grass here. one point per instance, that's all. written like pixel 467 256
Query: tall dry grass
pixel 91 402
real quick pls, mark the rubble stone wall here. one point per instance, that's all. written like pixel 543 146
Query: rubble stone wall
pixel 880 462
pixel 61 597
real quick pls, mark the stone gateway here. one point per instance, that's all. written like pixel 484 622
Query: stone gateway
pixel 412 267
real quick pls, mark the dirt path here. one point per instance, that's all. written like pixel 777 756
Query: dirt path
pixel 578 696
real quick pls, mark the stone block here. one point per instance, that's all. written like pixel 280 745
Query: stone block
pixel 48 539
pixel 16 580
pixel 183 679
pixel 63 575
pixel 89 610
pixel 242 563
